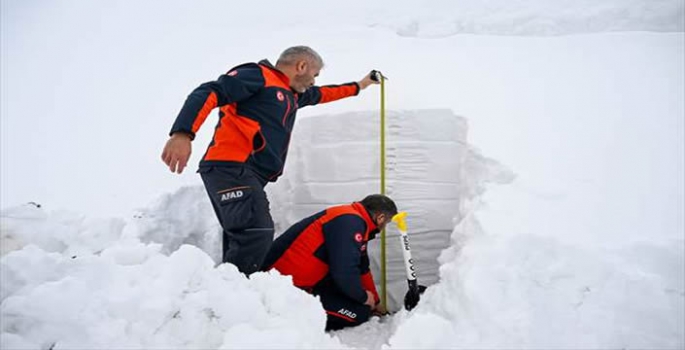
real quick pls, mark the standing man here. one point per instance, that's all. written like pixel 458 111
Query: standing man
pixel 257 104
pixel 326 254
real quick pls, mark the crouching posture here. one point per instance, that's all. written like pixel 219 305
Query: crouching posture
pixel 326 254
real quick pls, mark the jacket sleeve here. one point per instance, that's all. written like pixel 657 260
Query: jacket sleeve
pixel 343 240
pixel 329 93
pixel 367 277
pixel 237 85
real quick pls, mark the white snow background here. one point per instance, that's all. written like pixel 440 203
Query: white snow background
pixel 569 227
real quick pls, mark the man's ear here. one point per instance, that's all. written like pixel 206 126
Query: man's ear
pixel 380 218
pixel 301 66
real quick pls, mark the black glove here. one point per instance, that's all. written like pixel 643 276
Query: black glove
pixel 376 75
pixel 411 299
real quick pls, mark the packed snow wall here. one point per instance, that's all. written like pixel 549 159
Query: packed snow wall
pixel 335 159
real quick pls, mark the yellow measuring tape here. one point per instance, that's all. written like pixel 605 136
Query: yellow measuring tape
pixel 384 292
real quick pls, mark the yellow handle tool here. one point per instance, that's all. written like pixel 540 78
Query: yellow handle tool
pixel 401 220
pixel 411 299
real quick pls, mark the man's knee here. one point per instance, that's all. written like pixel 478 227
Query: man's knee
pixel 248 248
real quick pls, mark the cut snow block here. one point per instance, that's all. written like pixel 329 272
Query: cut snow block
pixel 339 162
pixel 421 125
pixel 338 128
pixel 335 159
pixel 424 161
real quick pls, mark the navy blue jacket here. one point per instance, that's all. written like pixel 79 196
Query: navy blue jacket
pixel 257 111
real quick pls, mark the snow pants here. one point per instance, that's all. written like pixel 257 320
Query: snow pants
pixel 341 310
pixel 240 203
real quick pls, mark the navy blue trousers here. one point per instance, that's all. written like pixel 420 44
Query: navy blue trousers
pixel 341 310
pixel 240 203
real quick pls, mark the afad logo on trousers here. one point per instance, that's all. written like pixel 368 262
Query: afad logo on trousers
pixel 232 194
pixel 347 313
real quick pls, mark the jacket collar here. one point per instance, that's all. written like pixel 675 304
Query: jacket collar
pixel 371 226
pixel 271 67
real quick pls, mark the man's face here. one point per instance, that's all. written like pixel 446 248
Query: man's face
pixel 382 220
pixel 305 75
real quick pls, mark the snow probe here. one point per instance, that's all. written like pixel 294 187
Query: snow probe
pixel 411 299
pixel 377 76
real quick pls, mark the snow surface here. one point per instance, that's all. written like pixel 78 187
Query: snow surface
pixel 575 108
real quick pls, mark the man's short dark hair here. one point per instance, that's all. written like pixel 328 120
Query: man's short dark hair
pixel 379 204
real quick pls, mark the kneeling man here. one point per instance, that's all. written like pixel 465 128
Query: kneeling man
pixel 326 254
